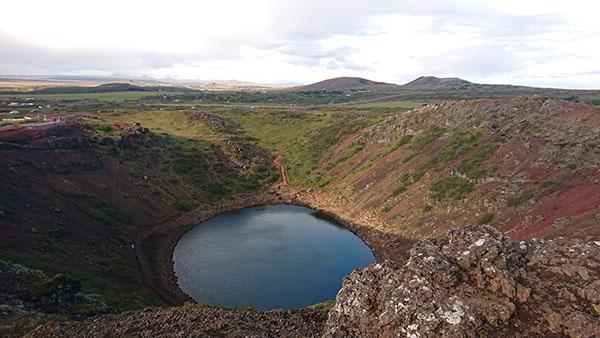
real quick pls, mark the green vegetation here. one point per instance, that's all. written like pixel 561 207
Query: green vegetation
pixel 485 218
pixel 595 102
pixel 302 139
pixel 111 96
pixel 346 155
pixel 184 207
pixel 404 140
pixel 471 166
pixel 426 207
pixel 407 180
pixel 385 209
pixel 391 105
pixel 518 200
pixel 102 211
pixel 458 145
pixel 450 188
pixel 324 306
pixel 426 138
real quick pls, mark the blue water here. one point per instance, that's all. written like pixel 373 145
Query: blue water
pixel 270 257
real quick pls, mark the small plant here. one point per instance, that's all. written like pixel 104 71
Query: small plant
pixel 454 188
pixel 348 154
pixel 485 218
pixel 426 208
pixel 184 207
pixel 471 166
pixel 572 166
pixel 426 138
pixel 385 209
pixel 407 180
pixel 515 201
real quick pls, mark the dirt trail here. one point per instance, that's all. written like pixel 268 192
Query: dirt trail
pixel 283 178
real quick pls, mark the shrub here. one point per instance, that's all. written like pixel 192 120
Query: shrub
pixel 426 208
pixel 471 166
pixel 407 180
pixel 455 188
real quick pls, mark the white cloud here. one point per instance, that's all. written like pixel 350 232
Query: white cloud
pixel 523 42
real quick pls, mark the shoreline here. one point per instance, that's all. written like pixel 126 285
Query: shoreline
pixel 154 248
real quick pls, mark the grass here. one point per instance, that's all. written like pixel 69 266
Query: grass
pixel 407 180
pixel 450 188
pixel 302 139
pixel 426 138
pixel 459 144
pixel 175 123
pixel 403 104
pixel 472 165
pixel 346 155
pixel 404 140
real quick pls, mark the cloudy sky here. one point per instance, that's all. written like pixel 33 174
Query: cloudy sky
pixel 531 42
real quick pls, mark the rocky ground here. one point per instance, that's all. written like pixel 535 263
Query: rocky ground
pixel 475 282
pixel 193 322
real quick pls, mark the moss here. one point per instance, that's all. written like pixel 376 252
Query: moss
pixel 471 166
pixel 324 306
pixel 451 188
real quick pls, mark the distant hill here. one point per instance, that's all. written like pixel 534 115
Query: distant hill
pixel 344 83
pixel 103 88
pixel 432 82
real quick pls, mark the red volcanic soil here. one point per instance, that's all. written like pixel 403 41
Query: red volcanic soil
pixel 575 202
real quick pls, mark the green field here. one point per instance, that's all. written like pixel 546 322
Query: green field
pixel 403 104
pixel 112 96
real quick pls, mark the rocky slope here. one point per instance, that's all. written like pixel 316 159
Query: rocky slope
pixel 74 199
pixel 475 282
pixel 528 166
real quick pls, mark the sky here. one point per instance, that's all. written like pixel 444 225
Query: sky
pixel 528 42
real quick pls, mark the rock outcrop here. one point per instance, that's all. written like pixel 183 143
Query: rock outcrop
pixel 475 282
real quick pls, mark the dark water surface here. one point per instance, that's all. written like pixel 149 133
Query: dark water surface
pixel 270 257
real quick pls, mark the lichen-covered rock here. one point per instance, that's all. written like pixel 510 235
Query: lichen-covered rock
pixel 475 282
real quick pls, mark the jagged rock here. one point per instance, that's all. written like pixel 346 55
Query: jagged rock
pixel 475 282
